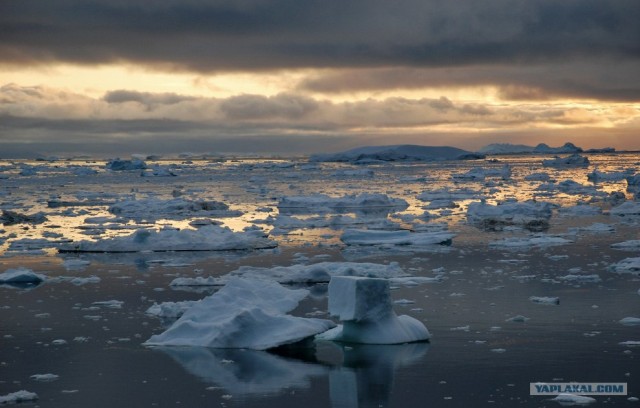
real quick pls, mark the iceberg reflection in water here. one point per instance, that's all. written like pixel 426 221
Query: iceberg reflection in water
pixel 359 375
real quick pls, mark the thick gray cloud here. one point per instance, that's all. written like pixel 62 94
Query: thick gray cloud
pixel 259 34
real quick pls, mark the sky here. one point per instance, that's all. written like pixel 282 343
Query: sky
pixel 115 77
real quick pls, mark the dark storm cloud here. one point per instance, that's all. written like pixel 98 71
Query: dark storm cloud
pixel 259 34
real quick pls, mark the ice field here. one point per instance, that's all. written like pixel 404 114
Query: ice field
pixel 208 281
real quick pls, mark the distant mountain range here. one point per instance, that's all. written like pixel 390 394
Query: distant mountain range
pixel 542 148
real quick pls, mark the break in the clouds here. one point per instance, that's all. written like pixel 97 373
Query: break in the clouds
pixel 285 122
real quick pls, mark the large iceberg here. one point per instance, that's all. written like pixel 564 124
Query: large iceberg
pixel 397 153
pixel 243 314
pixel 531 215
pixel 207 238
pixel 364 306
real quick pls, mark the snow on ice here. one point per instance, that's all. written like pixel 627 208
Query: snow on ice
pixel 243 314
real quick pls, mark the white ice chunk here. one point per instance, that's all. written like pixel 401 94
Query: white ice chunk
pixel 155 208
pixel 17 397
pixel 539 241
pixel 630 321
pixel 207 238
pixel 628 265
pixel 572 399
pixel 170 309
pixel 630 245
pixel 365 308
pixel 45 377
pixel 545 300
pixel 243 314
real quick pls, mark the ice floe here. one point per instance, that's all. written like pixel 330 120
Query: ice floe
pixel 170 310
pixel 9 217
pixel 531 215
pixel 630 245
pixel 206 238
pixel 154 208
pixel 628 265
pixel 630 321
pixel 18 397
pixel 545 300
pixel 243 314
pixel 323 201
pixel 365 309
pixel 537 241
pixel 401 237
pixel 572 399
pixel 125 165
pixel 629 208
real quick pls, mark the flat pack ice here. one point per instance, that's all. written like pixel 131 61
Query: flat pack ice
pixel 206 238
pixel 365 308
pixel 243 314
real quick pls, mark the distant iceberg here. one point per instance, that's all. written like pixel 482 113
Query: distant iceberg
pixel 397 153
pixel 542 148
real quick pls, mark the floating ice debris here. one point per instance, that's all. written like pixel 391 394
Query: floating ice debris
pixel 517 319
pixel 569 187
pixel 628 208
pixel 402 237
pixel 594 278
pixel 197 281
pixel 597 176
pixel 545 300
pixel 124 165
pixel 354 173
pixel 630 321
pixel 169 310
pixel 530 214
pixel 79 281
pixel 628 265
pixel 17 397
pixel 630 245
pixel 154 208
pixel 449 194
pixel 322 201
pixel 74 264
pixel 364 306
pixel 207 238
pixel 575 160
pixel 633 184
pixel 45 377
pixel 157 171
pixel 397 153
pixel 314 273
pixel 243 314
pixel 111 304
pixel 572 399
pixel 474 174
pixel 630 343
pixel 539 241
pixel 20 276
pixel 541 176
